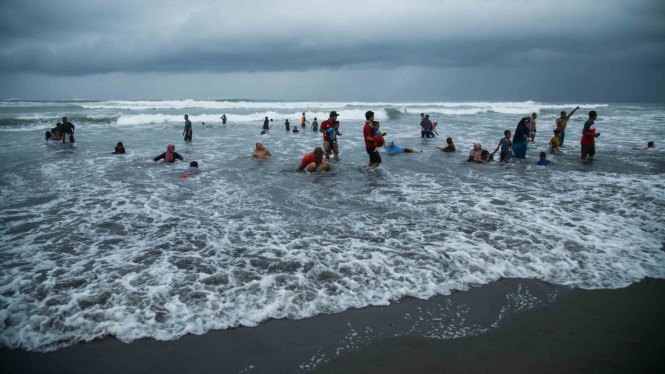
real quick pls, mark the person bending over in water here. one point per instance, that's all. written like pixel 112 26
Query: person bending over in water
pixel 649 146
pixel 393 148
pixel 554 142
pixel 543 160
pixel 261 151
pixel 169 156
pixel 506 147
pixel 476 153
pixel 562 122
pixel 450 147
pixel 48 137
pixel 313 161
pixel 192 170
pixel 119 149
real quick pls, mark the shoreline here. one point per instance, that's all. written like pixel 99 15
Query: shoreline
pixel 416 334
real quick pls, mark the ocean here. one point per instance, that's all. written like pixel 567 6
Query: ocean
pixel 95 245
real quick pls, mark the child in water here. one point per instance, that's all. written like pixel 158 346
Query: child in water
pixel 192 170
pixel 119 149
pixel 333 133
pixel 378 136
pixel 649 146
pixel 543 160
pixel 48 137
pixel 554 142
pixel 506 146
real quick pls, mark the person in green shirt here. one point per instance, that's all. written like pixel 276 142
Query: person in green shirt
pixel 188 129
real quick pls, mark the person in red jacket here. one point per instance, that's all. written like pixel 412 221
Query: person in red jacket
pixel 325 125
pixel 589 136
pixel 313 161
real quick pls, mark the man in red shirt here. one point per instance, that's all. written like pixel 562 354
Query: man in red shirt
pixel 325 125
pixel 374 157
pixel 313 161
pixel 589 136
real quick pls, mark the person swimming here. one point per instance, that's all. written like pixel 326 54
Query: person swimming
pixel 169 156
pixel 261 151
pixel 192 170
pixel 393 148
pixel 119 149
pixel 649 146
pixel 450 147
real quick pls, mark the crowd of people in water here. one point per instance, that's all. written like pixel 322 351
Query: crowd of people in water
pixel 508 147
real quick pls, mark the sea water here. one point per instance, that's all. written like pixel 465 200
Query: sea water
pixel 95 244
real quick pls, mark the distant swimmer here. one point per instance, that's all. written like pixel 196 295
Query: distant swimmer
pixel 119 149
pixel 261 151
pixel 394 148
pixel 192 170
pixel 506 146
pixel 315 125
pixel 188 129
pixel 543 161
pixel 223 119
pixel 374 156
pixel 650 145
pixel 521 139
pixel 203 123
pixel 533 125
pixel 589 136
pixel 450 147
pixel 562 122
pixel 67 131
pixel 313 161
pixel 288 125
pixel 170 155
pixel 425 127
pixel 266 124
pixel 325 125
pixel 303 120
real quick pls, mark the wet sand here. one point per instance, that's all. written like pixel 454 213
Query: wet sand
pixel 599 331
pixel 519 326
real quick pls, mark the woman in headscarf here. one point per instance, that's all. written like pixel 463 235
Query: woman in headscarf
pixel 476 153
pixel 393 148
pixel 521 138
pixel 433 133
pixel 169 156
pixel 266 124
pixel 261 151
pixel 450 147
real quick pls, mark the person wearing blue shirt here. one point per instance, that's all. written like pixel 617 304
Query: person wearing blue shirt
pixel 393 148
pixel 543 160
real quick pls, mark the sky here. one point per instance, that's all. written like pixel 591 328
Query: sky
pixel 509 50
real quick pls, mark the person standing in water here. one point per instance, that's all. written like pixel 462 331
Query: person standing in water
pixel 266 124
pixel 426 126
pixel 589 136
pixel 223 119
pixel 303 120
pixel 67 131
pixel 533 126
pixel 368 136
pixel 521 138
pixel 315 125
pixel 288 125
pixel 188 129
pixel 562 122
pixel 325 125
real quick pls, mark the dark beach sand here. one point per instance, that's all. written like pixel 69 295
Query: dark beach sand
pixel 542 328
pixel 600 331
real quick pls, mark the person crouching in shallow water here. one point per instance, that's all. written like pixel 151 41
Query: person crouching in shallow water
pixel 649 146
pixel 261 151
pixel 450 147
pixel 119 149
pixel 313 161
pixel 193 169
pixel 169 156
pixel 476 153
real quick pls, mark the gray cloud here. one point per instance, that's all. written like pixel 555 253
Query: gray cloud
pixel 79 38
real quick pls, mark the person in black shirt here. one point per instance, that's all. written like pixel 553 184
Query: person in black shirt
pixel 67 129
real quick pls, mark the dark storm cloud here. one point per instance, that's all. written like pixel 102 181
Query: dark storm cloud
pixel 71 38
